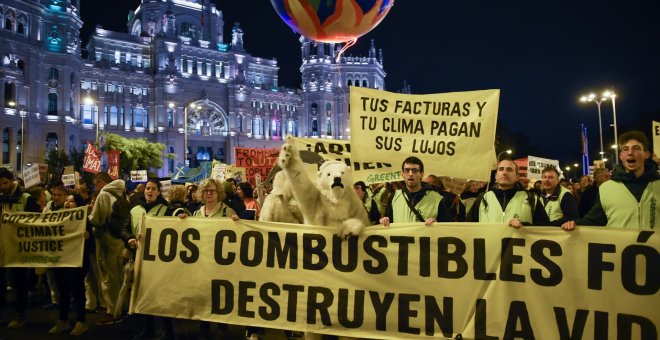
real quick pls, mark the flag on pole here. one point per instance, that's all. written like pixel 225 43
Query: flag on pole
pixel 583 138
pixel 585 149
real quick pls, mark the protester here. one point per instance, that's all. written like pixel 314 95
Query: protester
pixel 245 193
pixel 452 201
pixel 508 202
pixel 213 194
pixel 589 195
pixel 414 203
pixel 629 199
pixel 70 281
pixel 177 201
pixel 469 196
pixel 559 203
pixel 151 203
pixel 193 198
pixel 108 248
pixel 14 199
pixel 369 204
pixel 231 199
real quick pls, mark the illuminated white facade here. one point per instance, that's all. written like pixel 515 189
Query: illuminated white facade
pixel 173 70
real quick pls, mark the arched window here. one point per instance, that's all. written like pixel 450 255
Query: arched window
pixel 21 27
pixel 51 142
pixel 5 145
pixel 9 21
pixel 72 142
pixel 52 104
pixel 349 83
pixel 364 83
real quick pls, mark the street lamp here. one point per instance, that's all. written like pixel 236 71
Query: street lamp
pixel 593 98
pixel 509 151
pixel 612 95
pixel 89 101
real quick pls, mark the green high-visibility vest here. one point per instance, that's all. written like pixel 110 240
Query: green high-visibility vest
pixel 138 211
pixel 518 207
pixel 553 207
pixel 623 210
pixel 427 206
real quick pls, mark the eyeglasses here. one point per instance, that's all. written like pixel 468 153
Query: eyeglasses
pixel 209 191
pixel 634 148
pixel 412 170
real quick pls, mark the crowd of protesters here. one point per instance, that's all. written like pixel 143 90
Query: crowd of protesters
pixel 114 216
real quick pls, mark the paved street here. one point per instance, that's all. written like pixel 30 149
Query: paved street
pixel 41 320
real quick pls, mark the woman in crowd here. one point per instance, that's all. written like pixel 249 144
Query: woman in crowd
pixel 213 195
pixel 246 193
pixel 177 199
pixel 150 203
pixel 70 281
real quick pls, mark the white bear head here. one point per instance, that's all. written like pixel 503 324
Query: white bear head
pixel 335 180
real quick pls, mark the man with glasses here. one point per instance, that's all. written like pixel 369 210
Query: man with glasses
pixel 415 203
pixel 630 199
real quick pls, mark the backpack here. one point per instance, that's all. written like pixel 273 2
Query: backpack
pixel 119 216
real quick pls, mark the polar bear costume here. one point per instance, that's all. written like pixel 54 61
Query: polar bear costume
pixel 280 205
pixel 331 201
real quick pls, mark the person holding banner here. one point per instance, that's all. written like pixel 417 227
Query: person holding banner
pixel 69 281
pixel 559 203
pixel 108 248
pixel 630 198
pixel 14 199
pixel 150 203
pixel 508 203
pixel 213 195
pixel 415 203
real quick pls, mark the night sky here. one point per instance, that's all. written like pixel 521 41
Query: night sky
pixel 543 55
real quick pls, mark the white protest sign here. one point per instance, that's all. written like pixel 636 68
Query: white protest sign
pixel 535 166
pixel 69 180
pixel 31 176
pixel 139 175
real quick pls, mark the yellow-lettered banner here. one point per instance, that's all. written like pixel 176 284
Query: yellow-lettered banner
pixel 52 239
pixel 404 282
pixel 452 133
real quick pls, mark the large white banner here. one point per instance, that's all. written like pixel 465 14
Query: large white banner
pixel 404 282
pixel 452 133
pixel 52 239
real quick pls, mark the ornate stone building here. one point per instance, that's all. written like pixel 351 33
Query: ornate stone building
pixel 173 78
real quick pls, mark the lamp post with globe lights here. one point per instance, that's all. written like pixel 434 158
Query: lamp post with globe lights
pixel 593 98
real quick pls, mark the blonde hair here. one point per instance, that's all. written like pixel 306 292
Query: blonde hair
pixel 177 193
pixel 218 187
